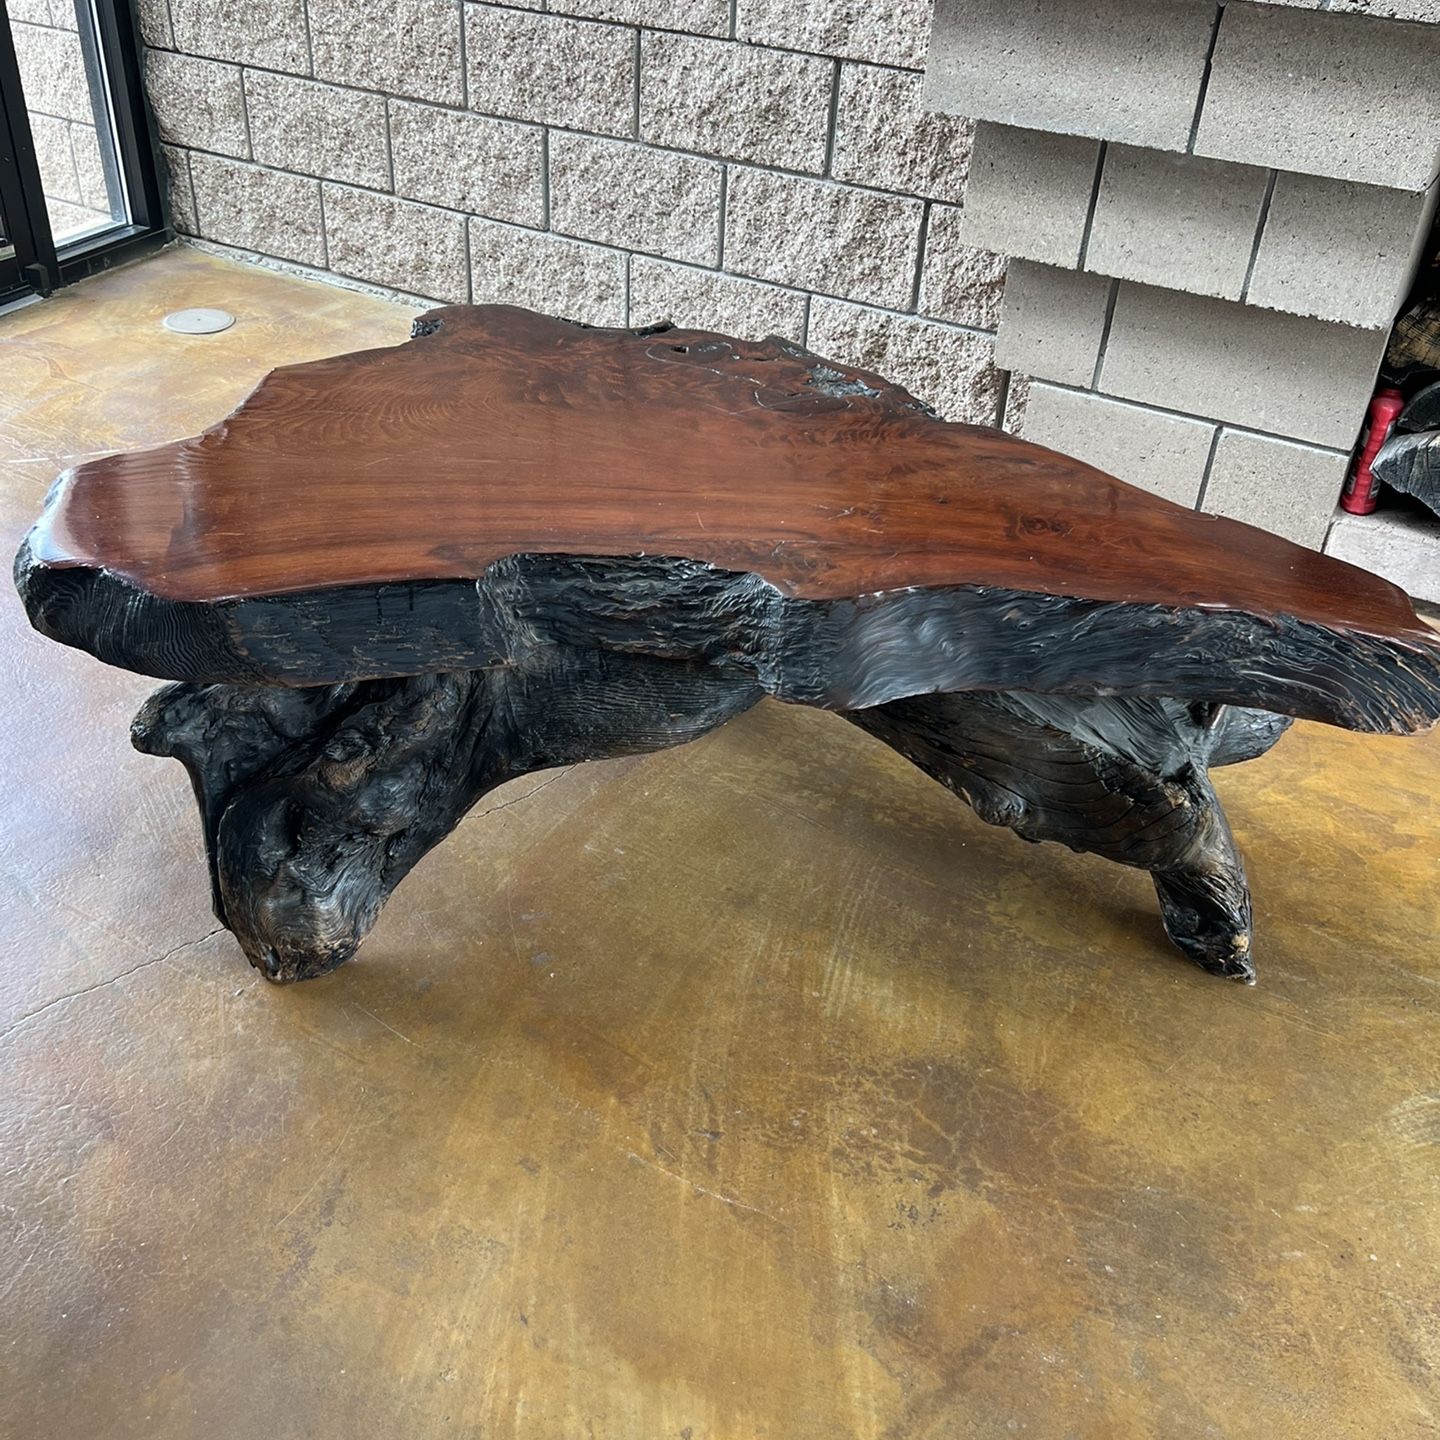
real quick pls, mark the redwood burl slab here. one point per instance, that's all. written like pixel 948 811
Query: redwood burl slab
pixel 392 580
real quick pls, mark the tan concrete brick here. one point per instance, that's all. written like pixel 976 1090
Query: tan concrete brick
pixel 696 17
pixel 1325 94
pixel 551 69
pixel 708 300
pixel 562 277
pixel 154 20
pixel 813 234
pixel 198 103
pixel 259 32
pixel 175 177
pixel 958 281
pixel 89 169
pixel 1306 379
pixel 951 370
pixel 1338 250
pixel 893 33
pixel 1401 545
pixel 402 47
pixel 886 138
pixel 54 157
pixel 318 129
pixel 636 198
pixel 736 101
pixel 411 247
pixel 257 209
pixel 1052 322
pixel 1288 489
pixel 1029 193
pixel 1164 454
pixel 468 162
pixel 52 71
pixel 1129 72
pixel 1176 220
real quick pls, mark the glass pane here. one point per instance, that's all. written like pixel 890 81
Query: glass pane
pixel 62 76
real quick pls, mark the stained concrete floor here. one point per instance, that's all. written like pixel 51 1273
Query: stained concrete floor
pixel 754 1089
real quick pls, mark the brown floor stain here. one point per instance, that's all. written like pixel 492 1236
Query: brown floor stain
pixel 753 1089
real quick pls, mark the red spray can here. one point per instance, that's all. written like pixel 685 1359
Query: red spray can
pixel 1361 493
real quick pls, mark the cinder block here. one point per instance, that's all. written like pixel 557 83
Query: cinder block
pixel 320 129
pixel 154 18
pixel 1325 94
pixel 884 136
pixel 737 101
pixel 510 266
pixel 1427 11
pixel 959 282
pixel 708 300
pixel 175 176
pixel 1164 454
pixel 1288 489
pixel 550 69
pixel 468 162
pixel 1308 379
pixel 816 235
pixel 402 47
pixel 636 198
pixel 695 17
pixel 256 209
pixel 1129 72
pixel 951 370
pixel 1052 322
pixel 199 103
pixel 270 33
pixel 32 12
pixel 393 242
pixel 1017 402
pixel 1401 545
pixel 52 71
pixel 1338 250
pixel 1029 193
pixel 1176 220
pixel 893 33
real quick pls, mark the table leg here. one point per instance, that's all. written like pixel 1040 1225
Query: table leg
pixel 317 802
pixel 1121 778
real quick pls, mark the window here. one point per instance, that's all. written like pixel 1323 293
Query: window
pixel 78 181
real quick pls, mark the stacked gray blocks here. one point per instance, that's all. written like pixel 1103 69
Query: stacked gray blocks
pixel 1216 212
pixel 1125 72
pixel 753 166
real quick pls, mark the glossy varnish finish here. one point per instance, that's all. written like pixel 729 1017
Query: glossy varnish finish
pixel 499 432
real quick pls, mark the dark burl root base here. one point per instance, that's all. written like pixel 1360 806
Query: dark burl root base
pixel 1121 778
pixel 316 802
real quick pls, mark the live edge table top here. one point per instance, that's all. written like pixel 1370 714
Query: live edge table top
pixel 496 434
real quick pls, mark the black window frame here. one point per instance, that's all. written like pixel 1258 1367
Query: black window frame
pixel 116 86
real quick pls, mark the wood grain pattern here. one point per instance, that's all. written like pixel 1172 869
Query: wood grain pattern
pixel 498 432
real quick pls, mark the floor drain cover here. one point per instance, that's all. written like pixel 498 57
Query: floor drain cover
pixel 198 322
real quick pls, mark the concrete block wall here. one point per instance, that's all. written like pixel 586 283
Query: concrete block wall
pixel 52 75
pixel 1215 213
pixel 754 166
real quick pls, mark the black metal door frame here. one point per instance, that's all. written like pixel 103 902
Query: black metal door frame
pixel 117 89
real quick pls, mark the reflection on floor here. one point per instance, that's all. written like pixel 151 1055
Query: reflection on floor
pixel 751 1089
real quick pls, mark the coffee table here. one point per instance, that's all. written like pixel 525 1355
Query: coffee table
pixel 393 580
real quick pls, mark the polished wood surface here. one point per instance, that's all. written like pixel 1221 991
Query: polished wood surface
pixel 498 432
